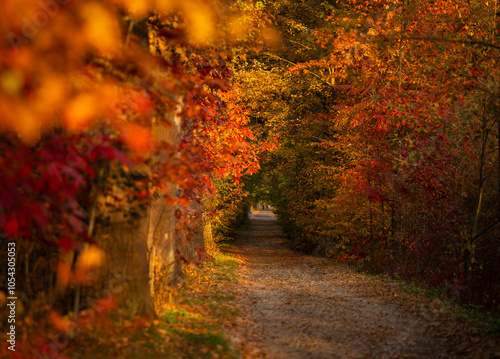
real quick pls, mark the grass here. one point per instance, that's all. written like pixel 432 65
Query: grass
pixel 187 327
pixel 409 287
pixel 489 323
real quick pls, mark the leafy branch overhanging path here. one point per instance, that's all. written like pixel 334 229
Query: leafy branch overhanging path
pixel 297 306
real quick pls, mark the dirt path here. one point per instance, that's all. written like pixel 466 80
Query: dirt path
pixel 298 306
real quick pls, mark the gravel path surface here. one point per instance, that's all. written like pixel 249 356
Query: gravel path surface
pixel 298 306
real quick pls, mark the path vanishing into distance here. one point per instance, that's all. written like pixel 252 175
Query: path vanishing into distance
pixel 293 305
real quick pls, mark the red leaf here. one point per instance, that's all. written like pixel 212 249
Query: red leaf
pixel 66 244
pixel 12 227
pixel 105 305
pixel 108 153
pixel 39 213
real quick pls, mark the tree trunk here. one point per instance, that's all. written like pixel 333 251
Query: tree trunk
pixel 125 271
pixel 161 238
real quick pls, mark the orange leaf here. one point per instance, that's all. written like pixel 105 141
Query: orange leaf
pixel 80 112
pixel 138 138
pixel 105 305
pixel 63 273
pixel 90 257
pixel 60 323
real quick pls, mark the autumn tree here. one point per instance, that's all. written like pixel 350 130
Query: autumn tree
pixel 119 118
pixel 388 138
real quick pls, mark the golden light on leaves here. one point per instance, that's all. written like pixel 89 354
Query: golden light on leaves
pixel 137 8
pixel 55 51
pixel 237 28
pixel 165 5
pixel 201 22
pixel 101 28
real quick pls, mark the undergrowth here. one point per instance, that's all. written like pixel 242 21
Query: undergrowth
pixel 188 324
pixel 489 322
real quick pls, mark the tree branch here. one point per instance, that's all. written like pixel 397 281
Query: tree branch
pixel 439 39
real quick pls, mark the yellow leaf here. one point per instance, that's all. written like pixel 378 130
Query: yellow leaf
pixel 164 5
pixel 101 28
pixel 90 257
pixel 12 82
pixel 50 95
pixel 201 23
pixel 238 28
pixel 137 8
